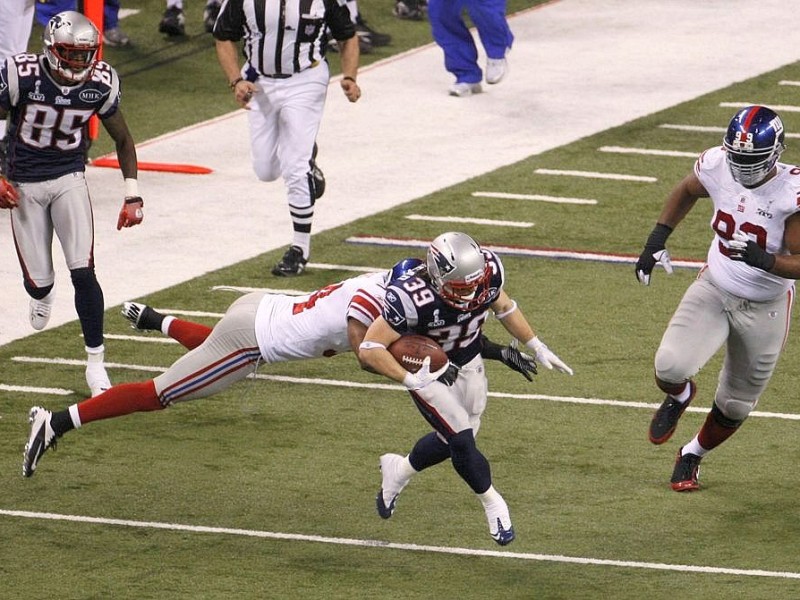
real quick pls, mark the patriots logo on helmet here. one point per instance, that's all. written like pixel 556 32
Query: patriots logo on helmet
pixel 442 262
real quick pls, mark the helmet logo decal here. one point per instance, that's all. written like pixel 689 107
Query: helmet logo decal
pixel 743 141
pixel 444 265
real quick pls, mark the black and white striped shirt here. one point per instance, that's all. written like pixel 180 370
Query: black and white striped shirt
pixel 282 37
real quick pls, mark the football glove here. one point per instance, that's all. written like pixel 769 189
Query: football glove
pixel 9 196
pixel 547 357
pixel 743 249
pixel 450 374
pixel 131 213
pixel 655 252
pixel 510 356
pixel 424 377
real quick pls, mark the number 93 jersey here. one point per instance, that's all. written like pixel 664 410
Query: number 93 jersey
pixel 412 305
pixel 46 120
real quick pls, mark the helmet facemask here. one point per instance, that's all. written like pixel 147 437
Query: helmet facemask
pixel 458 271
pixel 71 44
pixel 753 144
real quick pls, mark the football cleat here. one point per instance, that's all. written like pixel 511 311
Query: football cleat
pixel 496 69
pixel 665 419
pixel 142 316
pixel 41 438
pixel 291 264
pixel 391 485
pixel 173 22
pixel 500 527
pixel 97 379
pixel 686 472
pixel 39 311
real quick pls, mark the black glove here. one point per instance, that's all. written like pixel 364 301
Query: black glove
pixel 654 252
pixel 742 248
pixel 450 375
pixel 510 356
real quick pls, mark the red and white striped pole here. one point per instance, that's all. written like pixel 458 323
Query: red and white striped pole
pixel 93 9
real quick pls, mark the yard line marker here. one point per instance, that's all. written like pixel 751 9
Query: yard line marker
pixel 367 543
pixel 138 338
pixel 400 388
pixel 236 288
pixel 788 82
pixel 468 220
pixel 331 267
pixel 710 129
pixel 26 389
pixel 777 108
pixel 539 197
pixel 190 313
pixel 527 251
pixel 595 175
pixel 647 151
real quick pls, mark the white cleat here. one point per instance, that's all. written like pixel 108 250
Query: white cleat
pixel 97 378
pixel 391 485
pixel 41 438
pixel 462 90
pixel 500 527
pixel 39 311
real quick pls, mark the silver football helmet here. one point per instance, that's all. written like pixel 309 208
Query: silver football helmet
pixel 458 270
pixel 71 42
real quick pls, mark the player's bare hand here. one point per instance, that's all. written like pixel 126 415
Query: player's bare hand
pixel 243 92
pixel 131 213
pixel 351 89
pixel 9 196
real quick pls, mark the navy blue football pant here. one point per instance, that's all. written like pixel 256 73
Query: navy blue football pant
pixel 451 33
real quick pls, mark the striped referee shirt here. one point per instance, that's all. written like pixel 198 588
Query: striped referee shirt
pixel 282 37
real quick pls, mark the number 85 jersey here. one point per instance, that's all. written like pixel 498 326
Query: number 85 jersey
pixel 46 120
pixel 412 305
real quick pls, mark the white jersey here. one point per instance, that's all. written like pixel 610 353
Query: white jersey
pixel 759 212
pixel 315 325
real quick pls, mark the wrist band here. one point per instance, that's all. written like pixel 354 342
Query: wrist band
pixel 348 78
pixel 131 187
pixel 235 82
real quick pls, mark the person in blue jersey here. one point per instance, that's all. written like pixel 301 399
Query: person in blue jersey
pixel 47 100
pixel 449 300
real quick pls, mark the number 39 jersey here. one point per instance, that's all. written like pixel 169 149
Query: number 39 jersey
pixel 46 121
pixel 413 306
pixel 759 212
pixel 315 325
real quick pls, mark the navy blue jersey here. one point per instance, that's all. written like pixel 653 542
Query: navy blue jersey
pixel 413 306
pixel 46 120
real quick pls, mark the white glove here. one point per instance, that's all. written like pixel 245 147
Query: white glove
pixel 423 377
pixel 547 357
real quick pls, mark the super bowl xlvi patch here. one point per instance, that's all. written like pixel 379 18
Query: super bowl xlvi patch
pixel 309 30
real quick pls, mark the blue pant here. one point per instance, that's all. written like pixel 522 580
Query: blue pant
pixel 47 10
pixel 451 33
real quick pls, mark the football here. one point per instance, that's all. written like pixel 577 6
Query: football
pixel 411 350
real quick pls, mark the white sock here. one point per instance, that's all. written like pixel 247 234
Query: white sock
pixel 684 395
pixel 175 3
pixel 303 241
pixel 73 414
pixel 166 323
pixel 490 496
pixel 694 447
pixel 96 355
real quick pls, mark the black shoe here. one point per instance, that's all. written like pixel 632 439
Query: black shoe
pixel 142 316
pixel 376 38
pixel 210 15
pixel 173 23
pixel 412 10
pixel 686 472
pixel 291 264
pixel 665 420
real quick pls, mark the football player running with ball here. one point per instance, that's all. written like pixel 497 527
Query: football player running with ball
pixel 448 300
pixel 742 297
pixel 49 99
pixel 257 328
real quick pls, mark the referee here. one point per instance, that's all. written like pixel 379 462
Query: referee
pixel 283 84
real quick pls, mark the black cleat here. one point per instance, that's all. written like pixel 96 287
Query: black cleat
pixel 686 472
pixel 291 264
pixel 142 316
pixel 665 419
pixel 173 22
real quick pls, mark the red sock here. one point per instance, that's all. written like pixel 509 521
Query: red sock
pixel 712 434
pixel 188 334
pixel 120 400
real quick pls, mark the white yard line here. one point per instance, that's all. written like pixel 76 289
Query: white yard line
pixel 384 545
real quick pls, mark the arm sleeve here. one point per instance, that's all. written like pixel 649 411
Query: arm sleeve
pixel 337 16
pixel 230 22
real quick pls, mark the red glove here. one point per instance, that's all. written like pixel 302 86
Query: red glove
pixel 131 213
pixel 9 197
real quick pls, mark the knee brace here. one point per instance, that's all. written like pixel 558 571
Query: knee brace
pixel 37 293
pixel 723 421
